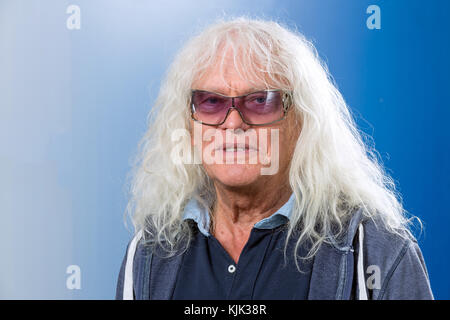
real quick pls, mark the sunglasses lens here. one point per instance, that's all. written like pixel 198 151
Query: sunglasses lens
pixel 256 108
pixel 209 107
pixel 262 107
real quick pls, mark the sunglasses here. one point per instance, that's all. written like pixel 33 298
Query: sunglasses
pixel 255 108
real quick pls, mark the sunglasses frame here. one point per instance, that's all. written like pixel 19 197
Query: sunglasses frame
pixel 286 100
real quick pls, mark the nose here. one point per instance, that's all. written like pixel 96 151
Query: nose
pixel 234 121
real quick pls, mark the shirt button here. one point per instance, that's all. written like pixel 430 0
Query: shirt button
pixel 231 268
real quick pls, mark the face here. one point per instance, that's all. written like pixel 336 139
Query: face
pixel 249 167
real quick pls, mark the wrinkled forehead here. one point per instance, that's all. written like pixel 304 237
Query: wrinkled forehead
pixel 234 71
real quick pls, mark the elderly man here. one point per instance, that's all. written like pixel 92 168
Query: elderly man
pixel 253 182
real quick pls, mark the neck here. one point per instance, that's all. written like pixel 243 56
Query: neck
pixel 237 209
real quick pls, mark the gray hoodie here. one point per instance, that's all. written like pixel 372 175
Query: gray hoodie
pixel 367 263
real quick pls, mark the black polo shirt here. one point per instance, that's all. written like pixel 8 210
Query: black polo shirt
pixel 262 272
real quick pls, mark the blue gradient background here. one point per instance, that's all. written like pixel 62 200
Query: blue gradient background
pixel 73 105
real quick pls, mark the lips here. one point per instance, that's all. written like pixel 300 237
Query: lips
pixel 236 147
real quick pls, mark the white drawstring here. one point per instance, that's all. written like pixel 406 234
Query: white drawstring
pixel 362 294
pixel 128 279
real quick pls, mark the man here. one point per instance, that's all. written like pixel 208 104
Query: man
pixel 254 183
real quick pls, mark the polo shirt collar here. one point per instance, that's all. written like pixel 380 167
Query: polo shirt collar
pixel 193 210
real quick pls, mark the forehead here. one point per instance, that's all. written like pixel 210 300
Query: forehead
pixel 230 77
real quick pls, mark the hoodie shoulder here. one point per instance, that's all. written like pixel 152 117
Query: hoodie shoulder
pixel 394 265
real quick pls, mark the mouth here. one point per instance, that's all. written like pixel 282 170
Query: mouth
pixel 236 147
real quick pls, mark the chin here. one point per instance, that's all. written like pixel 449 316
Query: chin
pixel 235 175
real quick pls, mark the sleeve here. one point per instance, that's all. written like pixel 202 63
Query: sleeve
pixel 119 287
pixel 408 278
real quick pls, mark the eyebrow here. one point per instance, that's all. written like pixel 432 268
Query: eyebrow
pixel 219 90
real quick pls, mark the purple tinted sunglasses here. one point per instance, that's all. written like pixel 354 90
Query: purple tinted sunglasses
pixel 255 108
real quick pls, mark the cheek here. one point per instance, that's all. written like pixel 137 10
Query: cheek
pixel 289 145
pixel 197 133
pixel 284 145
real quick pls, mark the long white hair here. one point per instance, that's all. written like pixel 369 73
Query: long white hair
pixel 334 168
